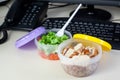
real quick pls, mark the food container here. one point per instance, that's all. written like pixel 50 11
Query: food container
pixel 49 51
pixel 82 64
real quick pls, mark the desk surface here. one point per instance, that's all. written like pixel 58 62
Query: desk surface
pixel 26 64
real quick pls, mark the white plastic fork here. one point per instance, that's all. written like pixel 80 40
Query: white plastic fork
pixel 61 31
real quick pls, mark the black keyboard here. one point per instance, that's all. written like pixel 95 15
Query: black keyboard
pixel 107 31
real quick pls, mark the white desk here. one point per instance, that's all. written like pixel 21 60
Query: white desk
pixel 26 64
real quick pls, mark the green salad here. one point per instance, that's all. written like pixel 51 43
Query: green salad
pixel 52 39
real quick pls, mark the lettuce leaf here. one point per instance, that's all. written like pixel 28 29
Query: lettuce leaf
pixel 52 39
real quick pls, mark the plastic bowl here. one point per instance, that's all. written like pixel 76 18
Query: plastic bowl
pixel 48 51
pixel 79 67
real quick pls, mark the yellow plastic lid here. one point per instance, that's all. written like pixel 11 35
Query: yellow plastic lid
pixel 105 45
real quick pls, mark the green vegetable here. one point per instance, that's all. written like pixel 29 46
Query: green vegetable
pixel 52 39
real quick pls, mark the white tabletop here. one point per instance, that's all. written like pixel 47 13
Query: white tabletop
pixel 26 64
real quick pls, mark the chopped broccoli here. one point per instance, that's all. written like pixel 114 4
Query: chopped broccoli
pixel 52 39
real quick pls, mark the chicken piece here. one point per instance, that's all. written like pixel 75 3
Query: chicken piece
pixel 69 52
pixel 78 48
pixel 86 52
pixel 74 54
pixel 65 50
pixel 94 53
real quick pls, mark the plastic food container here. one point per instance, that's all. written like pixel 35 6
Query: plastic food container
pixel 49 51
pixel 82 64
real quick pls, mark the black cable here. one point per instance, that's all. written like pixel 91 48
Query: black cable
pixel 3 27
pixel 3 31
pixel 5 36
